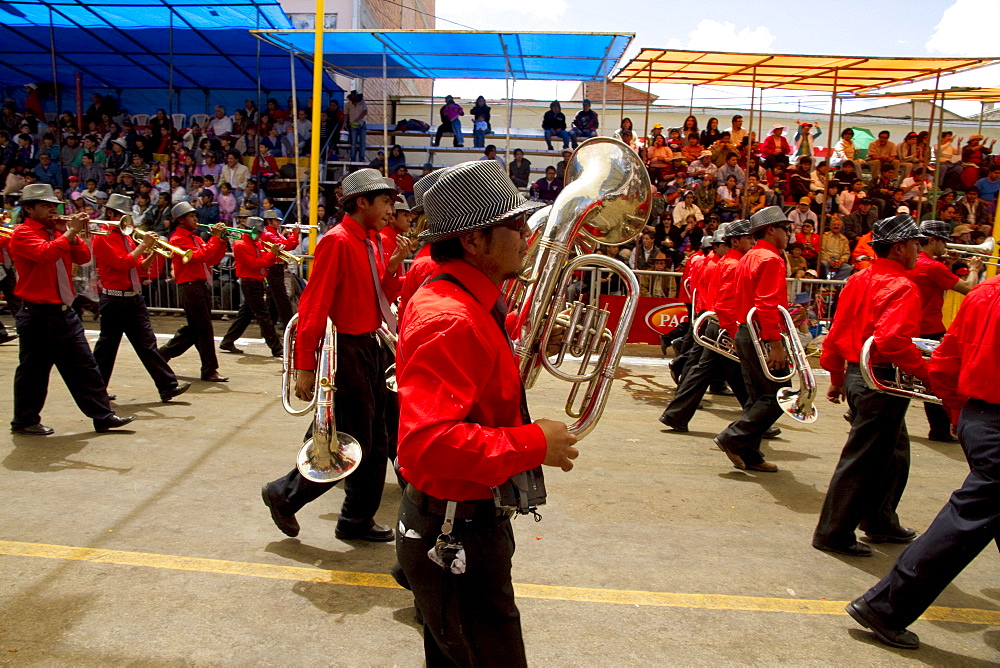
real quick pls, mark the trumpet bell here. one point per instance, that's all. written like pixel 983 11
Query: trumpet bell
pixel 326 465
pixel 985 249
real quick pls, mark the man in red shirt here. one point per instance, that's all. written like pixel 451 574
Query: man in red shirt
pixel 465 431
pixel 760 284
pixel 276 273
pixel 347 287
pixel 252 261
pixel 687 352
pixel 49 329
pixel 392 238
pixel 968 522
pixel 933 277
pixel 735 238
pixel 119 262
pixel 194 282
pixel 883 302
pixel 423 264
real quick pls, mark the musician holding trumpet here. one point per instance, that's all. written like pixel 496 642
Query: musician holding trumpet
pixel 123 310
pixel 252 261
pixel 44 248
pixel 271 234
pixel 882 302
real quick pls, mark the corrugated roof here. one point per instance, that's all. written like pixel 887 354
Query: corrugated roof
pixel 965 94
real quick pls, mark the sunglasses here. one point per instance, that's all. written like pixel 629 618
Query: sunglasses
pixel 517 223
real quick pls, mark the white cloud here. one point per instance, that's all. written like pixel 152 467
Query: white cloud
pixel 477 13
pixel 955 32
pixel 713 35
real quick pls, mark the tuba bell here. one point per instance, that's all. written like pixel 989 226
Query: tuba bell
pixel 904 384
pixel 799 403
pixel 606 200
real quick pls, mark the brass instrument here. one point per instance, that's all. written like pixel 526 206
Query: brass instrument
pixel 983 251
pixel 236 232
pixel 97 227
pixel 606 200
pixel 722 344
pixel 330 455
pixel 799 403
pixel 160 247
pixel 284 255
pixel 389 341
pixel 6 231
pixel 904 384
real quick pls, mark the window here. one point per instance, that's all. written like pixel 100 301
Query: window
pixel 308 21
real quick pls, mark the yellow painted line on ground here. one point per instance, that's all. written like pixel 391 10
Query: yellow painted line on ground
pixel 535 591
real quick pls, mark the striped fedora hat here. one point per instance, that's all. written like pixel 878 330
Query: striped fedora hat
pixel 471 196
pixel 422 185
pixel 365 180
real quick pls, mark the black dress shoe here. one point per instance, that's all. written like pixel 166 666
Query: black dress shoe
pixel 396 571
pixel 855 550
pixel 941 437
pixel 286 523
pixel 673 424
pixel 167 395
pixel 6 336
pixel 230 348
pixel 166 357
pixel 673 372
pixel 34 430
pixel 861 612
pixel 376 533
pixel 896 535
pixel 278 352
pixel 112 422
pixel 214 377
pixel 773 432
pixel 112 397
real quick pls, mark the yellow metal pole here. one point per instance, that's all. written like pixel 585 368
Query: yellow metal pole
pixel 317 108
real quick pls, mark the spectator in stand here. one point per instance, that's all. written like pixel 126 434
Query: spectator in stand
pixel 563 164
pixel 801 214
pixel 334 125
pixel 800 178
pixel 490 153
pixel 989 186
pixel 547 187
pixel 674 140
pixel 860 222
pixel 127 186
pixel 976 152
pixel 450 113
pixel 48 171
pixel 711 133
pixel 737 132
pixel 118 159
pixel 240 123
pixel 658 157
pixel 915 187
pixel 161 130
pixel 251 197
pixel 775 149
pixel 721 150
pixel 962 234
pixel 728 200
pixel 731 168
pixel 157 219
pixel 972 210
pixel 804 138
pixel 693 149
pixel 220 124
pixel 304 132
pixel 689 127
pixel 396 158
pixel 835 251
pixel 777 182
pixel 554 124
pixel 178 193
pixel 89 169
pixel 809 241
pixel 754 196
pixel 626 134
pixel 481 116
pixel 850 199
pixel 208 210
pixel 844 151
pixel 403 180
pixel 210 167
pixel 585 124
pixel 687 207
pixel 235 173
pixel 706 194
pixel 247 144
pixel 70 153
pixel 796 262
pixel 700 167
pixel 138 169
pixel 520 169
pixel 227 203
pixel 211 184
pixel 908 154
pixel 356 111
pixel 882 155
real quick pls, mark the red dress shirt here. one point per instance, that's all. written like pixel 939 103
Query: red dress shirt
pixel 460 426
pixel 156 269
pixel 205 255
pixel 967 363
pixel 725 293
pixel 422 268
pixel 699 280
pixel 113 256
pixel 879 301
pixel 36 259
pixel 340 288
pixel 760 282
pixel 710 282
pixel 690 268
pixel 5 258
pixel 252 261
pixel 271 236
pixel 391 283
pixel 933 278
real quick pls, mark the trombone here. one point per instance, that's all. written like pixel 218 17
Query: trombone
pixel 984 251
pixel 236 232
pixel 798 403
pixel 285 255
pixel 904 384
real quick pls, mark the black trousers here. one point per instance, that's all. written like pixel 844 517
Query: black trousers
pixel 871 475
pixel 963 528
pixel 279 293
pixel 697 379
pixel 685 351
pixel 360 410
pixel 52 334
pixel 128 316
pixel 196 300
pixel 761 408
pixel 937 416
pixel 7 284
pixel 469 619
pixel 253 306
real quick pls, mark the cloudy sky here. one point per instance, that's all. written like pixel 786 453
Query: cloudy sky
pixel 848 27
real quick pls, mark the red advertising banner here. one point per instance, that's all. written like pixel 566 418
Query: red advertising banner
pixel 653 317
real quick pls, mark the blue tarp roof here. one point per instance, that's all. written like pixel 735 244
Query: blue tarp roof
pixel 134 44
pixel 439 54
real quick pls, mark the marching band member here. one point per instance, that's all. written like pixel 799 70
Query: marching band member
pixel 759 282
pixel 464 425
pixel 276 273
pixel 961 372
pixel 194 282
pixel 8 279
pixel 933 277
pixel 391 238
pixel 423 264
pixel 685 348
pixel 123 310
pixel 49 329
pixel 883 302
pixel 735 239
pixel 252 259
pixel 346 287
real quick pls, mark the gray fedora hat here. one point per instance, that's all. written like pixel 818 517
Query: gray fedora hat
pixel 39 192
pixel 181 209
pixel 255 222
pixel 936 228
pixel 472 196
pixel 894 229
pixel 365 180
pixel 738 228
pixel 422 185
pixel 720 234
pixel 769 215
pixel 119 203
pixel 121 142
pixel 271 214
pixel 707 240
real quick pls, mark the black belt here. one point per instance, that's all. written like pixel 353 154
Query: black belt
pixel 464 510
pixel 35 306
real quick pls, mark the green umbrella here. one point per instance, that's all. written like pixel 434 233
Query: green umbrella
pixel 862 137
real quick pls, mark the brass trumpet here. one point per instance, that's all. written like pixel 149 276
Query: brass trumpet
pixel 160 247
pixel 904 384
pixel 799 403
pixel 285 255
pixel 236 232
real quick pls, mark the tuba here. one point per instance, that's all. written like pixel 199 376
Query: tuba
pixel 722 344
pixel 799 403
pixel 606 200
pixel 330 455
pixel 904 385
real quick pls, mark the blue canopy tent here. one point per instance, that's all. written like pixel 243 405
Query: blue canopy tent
pixel 201 54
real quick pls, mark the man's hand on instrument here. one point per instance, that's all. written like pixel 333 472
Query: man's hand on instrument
pixel 835 394
pixel 404 247
pixel 218 230
pixel 560 451
pixel 777 358
pixel 305 384
pixel 556 340
pixel 976 265
pixel 77 223
pixel 148 241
